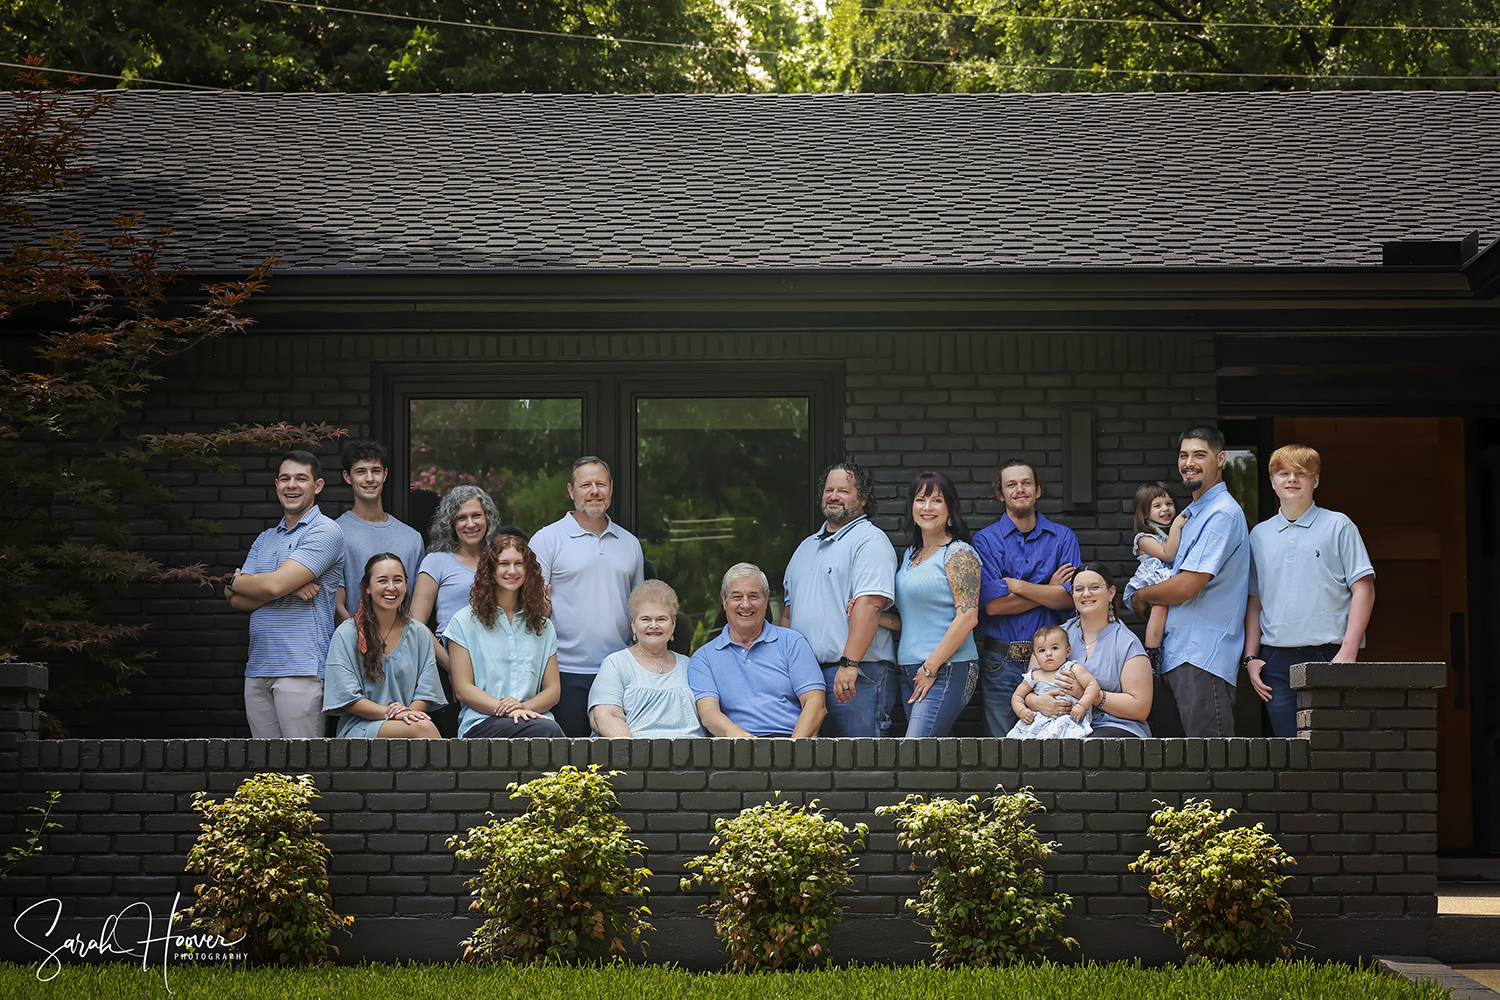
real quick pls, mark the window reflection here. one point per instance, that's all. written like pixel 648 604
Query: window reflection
pixel 517 450
pixel 721 481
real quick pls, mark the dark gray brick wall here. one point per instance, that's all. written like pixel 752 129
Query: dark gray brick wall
pixel 1351 799
pixel 954 401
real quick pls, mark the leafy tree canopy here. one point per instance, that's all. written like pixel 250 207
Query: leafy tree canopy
pixel 228 43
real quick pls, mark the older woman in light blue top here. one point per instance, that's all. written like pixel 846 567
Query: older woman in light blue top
pixel 642 691
pixel 937 594
pixel 381 676
pixel 503 648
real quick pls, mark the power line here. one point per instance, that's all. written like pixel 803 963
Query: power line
pixel 109 76
pixel 703 47
pixel 1169 24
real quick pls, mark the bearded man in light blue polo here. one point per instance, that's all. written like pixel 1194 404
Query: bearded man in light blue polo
pixel 838 582
pixel 1207 593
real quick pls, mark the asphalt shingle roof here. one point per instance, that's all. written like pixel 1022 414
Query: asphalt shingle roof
pixel 827 182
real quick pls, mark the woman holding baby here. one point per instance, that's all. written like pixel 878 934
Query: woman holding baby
pixel 1111 653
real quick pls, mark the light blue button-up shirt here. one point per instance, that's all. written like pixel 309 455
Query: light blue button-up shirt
pixel 509 659
pixel 1209 630
pixel 289 637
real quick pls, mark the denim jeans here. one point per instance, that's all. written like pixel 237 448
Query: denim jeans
pixel 934 714
pixel 892 703
pixel 862 714
pixel 1277 675
pixel 998 680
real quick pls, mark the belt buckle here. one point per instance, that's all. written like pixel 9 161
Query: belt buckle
pixel 1018 651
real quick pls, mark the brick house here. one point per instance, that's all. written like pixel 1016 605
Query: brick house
pixel 721 293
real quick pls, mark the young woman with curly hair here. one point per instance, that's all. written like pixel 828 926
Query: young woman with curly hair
pixel 381 677
pixel 502 648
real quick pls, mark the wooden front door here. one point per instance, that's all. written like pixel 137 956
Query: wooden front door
pixel 1414 530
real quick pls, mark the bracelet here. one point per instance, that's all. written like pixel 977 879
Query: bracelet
pixel 926 673
pixel 1103 697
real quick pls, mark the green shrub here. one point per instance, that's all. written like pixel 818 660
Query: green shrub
pixel 554 877
pixel 270 871
pixel 984 892
pixel 778 868
pixel 1217 886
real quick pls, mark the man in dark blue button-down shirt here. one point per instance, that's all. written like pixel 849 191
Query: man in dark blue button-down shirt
pixel 1025 563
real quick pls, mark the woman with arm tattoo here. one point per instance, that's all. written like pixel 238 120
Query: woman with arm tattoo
pixel 937 593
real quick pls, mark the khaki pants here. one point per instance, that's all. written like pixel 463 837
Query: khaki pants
pixel 288 708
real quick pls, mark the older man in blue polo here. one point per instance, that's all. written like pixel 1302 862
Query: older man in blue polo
pixel 754 678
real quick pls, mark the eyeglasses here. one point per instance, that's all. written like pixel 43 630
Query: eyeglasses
pixel 1088 588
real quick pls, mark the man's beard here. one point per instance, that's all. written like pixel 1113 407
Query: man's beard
pixel 1193 485
pixel 594 509
pixel 1015 510
pixel 837 517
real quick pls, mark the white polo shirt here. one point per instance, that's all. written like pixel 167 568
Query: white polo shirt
pixel 591 578
pixel 1302 571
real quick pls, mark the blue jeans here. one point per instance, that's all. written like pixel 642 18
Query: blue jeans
pixel 862 714
pixel 934 714
pixel 892 700
pixel 1277 675
pixel 998 680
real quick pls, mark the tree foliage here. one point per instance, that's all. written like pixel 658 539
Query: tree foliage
pixel 75 486
pixel 228 43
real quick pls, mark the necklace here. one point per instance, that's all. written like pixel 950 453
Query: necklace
pixel 922 555
pixel 385 639
pixel 655 664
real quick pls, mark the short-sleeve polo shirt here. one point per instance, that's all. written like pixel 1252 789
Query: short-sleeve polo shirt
pixel 826 573
pixel 760 689
pixel 591 578
pixel 289 637
pixel 1208 631
pixel 1303 572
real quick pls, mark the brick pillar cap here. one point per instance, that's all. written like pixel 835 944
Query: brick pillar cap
pixel 1369 675
pixel 25 676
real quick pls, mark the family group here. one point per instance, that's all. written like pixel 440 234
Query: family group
pixel 563 634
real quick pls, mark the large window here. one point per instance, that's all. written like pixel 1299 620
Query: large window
pixel 720 481
pixel 714 463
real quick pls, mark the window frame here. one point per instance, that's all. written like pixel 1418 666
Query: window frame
pixel 610 389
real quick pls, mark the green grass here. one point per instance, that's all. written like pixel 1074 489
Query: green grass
pixel 1301 980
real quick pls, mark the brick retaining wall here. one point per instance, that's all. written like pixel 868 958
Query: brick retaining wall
pixel 1352 799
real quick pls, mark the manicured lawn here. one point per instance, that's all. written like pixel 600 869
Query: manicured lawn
pixel 1302 980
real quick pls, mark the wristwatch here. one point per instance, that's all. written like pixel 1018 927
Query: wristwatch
pixel 1245 660
pixel 845 661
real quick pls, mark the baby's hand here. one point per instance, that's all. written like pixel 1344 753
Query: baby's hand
pixel 1078 713
pixel 1180 519
pixel 1028 716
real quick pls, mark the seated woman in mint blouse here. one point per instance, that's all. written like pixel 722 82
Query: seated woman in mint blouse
pixel 1111 652
pixel 937 594
pixel 502 648
pixel 381 678
pixel 642 691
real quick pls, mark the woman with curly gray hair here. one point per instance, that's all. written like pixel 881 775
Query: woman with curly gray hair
pixel 465 522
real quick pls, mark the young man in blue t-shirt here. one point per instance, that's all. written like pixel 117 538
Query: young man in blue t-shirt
pixel 288 584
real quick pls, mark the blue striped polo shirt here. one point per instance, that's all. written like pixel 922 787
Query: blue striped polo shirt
pixel 289 637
